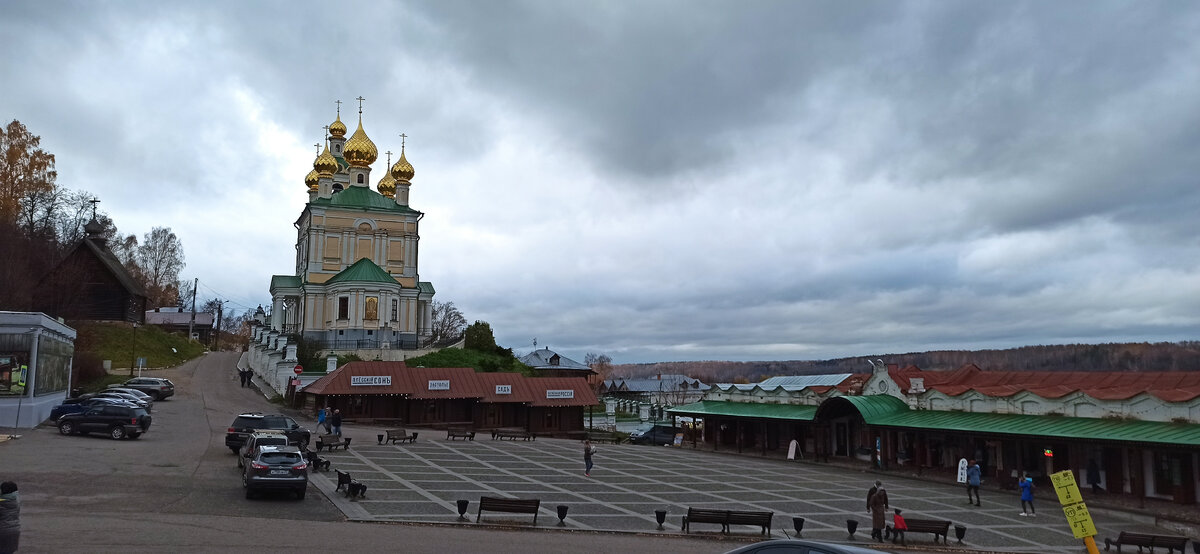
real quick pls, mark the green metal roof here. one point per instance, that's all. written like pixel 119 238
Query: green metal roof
pixel 284 281
pixel 874 406
pixel 745 409
pixel 1186 434
pixel 361 198
pixel 425 287
pixel 363 270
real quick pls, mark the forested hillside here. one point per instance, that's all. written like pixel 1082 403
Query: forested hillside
pixel 1163 356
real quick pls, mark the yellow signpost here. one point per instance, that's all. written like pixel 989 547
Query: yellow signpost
pixel 1073 507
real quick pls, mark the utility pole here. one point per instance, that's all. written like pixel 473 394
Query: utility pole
pixel 193 322
pixel 220 309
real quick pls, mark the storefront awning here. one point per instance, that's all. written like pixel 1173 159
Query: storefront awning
pixel 745 409
pixel 1051 426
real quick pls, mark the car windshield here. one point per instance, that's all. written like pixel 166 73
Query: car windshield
pixel 278 458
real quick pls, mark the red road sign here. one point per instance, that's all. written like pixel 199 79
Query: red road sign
pixel 299 369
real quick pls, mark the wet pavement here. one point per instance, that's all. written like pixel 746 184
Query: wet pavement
pixel 421 483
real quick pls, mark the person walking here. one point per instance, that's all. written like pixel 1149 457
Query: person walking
pixel 973 474
pixel 871 493
pixel 879 506
pixel 1026 485
pixel 898 528
pixel 10 518
pixel 321 420
pixel 1093 476
pixel 588 451
pixel 336 422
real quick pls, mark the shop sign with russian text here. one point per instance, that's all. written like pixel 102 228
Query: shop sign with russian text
pixel 370 380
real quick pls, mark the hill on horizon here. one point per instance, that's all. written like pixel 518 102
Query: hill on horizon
pixel 1143 356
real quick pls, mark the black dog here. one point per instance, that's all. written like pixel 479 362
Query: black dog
pixel 318 463
pixel 356 490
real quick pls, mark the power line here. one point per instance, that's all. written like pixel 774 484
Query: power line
pixel 226 297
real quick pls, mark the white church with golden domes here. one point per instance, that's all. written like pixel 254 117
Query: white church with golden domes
pixel 356 283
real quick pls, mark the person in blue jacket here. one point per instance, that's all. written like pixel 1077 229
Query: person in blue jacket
pixel 1026 485
pixel 973 474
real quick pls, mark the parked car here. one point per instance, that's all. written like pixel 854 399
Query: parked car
pixel 249 422
pixel 654 434
pixel 259 438
pixel 117 420
pixel 137 393
pixel 76 405
pixel 275 468
pixel 801 546
pixel 148 405
pixel 157 387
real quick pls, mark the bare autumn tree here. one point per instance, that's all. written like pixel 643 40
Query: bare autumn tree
pixel 26 171
pixel 448 322
pixel 600 363
pixel 160 258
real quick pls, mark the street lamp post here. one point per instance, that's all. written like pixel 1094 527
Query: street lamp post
pixel 133 360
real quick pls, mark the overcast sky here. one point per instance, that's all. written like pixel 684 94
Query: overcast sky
pixel 667 180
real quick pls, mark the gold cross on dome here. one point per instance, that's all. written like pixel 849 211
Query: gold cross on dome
pixel 360 101
pixel 389 155
pixel 318 145
pixel 339 103
pixel 326 127
pixel 402 137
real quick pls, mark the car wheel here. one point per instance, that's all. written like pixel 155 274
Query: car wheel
pixel 233 449
pixel 300 494
pixel 155 396
pixel 66 428
pixel 117 432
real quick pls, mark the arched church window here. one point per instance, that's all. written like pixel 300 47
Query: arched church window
pixel 344 307
pixel 360 177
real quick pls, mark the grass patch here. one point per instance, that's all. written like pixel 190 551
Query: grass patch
pixel 122 344
pixel 480 361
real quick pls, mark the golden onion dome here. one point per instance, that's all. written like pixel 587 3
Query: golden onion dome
pixel 337 128
pixel 402 171
pixel 326 165
pixel 312 180
pixel 359 150
pixel 387 185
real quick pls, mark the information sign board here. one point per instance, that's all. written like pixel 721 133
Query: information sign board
pixel 1065 487
pixel 1080 520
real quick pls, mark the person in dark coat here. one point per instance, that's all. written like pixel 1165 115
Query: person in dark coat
pixel 1093 475
pixel 10 517
pixel 870 493
pixel 879 506
pixel 336 422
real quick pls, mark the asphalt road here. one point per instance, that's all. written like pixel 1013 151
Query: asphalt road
pixel 178 489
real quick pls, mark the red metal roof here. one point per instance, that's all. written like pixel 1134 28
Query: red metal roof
pixel 582 394
pixel 462 382
pixel 338 382
pixel 521 392
pixel 1171 386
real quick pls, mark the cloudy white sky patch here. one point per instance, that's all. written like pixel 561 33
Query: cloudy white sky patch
pixel 668 180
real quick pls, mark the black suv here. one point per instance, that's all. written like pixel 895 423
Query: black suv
pixel 116 420
pixel 655 434
pixel 158 388
pixel 250 422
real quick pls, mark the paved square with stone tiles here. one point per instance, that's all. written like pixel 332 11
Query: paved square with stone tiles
pixel 420 483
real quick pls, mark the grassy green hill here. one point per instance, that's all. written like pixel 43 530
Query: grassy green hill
pixel 461 357
pixel 122 344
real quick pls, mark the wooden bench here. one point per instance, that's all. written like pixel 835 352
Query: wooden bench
pixel 332 441
pixel 1170 542
pixel 400 435
pixel 353 488
pixel 513 434
pixel 510 505
pixel 605 437
pixel 935 526
pixel 725 518
pixel 460 433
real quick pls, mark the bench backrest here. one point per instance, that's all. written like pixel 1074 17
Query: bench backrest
pixel 751 518
pixel 1171 541
pixel 343 477
pixel 920 524
pixel 703 515
pixel 1131 538
pixel 509 504
pixel 396 433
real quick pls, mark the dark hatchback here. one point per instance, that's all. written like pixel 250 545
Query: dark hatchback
pixel 655 434
pixel 249 422
pixel 115 420
pixel 157 387
pixel 273 467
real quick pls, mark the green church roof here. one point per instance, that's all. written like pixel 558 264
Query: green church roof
pixel 284 281
pixel 363 270
pixel 361 198
pixel 425 287
pixel 1047 426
